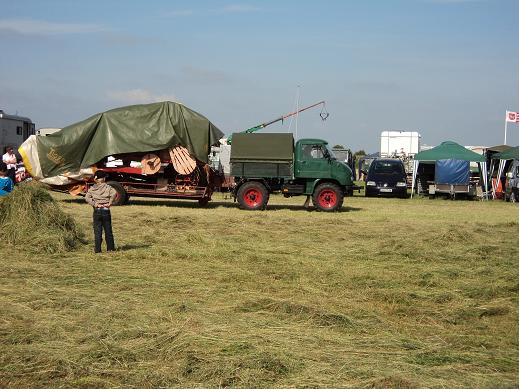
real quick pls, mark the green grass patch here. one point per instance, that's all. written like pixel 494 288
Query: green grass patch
pixel 388 293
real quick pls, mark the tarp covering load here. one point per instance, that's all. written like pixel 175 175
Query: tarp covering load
pixel 452 171
pixel 261 147
pixel 136 128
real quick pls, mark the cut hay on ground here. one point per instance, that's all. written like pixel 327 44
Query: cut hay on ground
pixel 31 220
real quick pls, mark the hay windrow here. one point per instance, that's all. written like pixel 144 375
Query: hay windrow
pixel 32 220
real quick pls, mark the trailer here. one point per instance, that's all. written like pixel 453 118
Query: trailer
pixel 396 144
pixel 14 130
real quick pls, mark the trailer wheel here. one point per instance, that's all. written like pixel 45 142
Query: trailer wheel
pixel 203 201
pixel 253 196
pixel 328 197
pixel 121 196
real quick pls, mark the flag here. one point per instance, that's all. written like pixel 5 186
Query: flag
pixel 512 117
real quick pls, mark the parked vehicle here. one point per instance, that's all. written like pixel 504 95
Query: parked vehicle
pixel 398 144
pixel 386 177
pixel 262 164
pixel 512 182
pixel 14 130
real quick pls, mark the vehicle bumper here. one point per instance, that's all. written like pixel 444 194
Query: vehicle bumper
pixel 386 191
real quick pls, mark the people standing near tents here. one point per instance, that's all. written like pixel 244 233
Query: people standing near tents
pixel 101 196
pixel 6 184
pixel 9 158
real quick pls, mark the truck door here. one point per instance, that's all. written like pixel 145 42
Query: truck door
pixel 313 162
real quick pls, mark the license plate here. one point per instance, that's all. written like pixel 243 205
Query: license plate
pixel 386 190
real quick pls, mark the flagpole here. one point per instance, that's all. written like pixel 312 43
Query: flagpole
pixel 506 124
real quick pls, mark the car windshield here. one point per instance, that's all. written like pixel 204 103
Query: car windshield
pixel 330 151
pixel 388 167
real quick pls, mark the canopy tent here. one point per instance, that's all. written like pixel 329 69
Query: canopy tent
pixel 449 151
pixel 136 128
pixel 511 153
pixel 498 149
pixel 507 154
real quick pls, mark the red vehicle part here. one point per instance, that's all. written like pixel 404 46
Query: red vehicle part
pixel 328 197
pixel 253 195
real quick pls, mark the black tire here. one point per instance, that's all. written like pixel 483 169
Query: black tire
pixel 328 197
pixel 121 197
pixel 203 202
pixel 253 196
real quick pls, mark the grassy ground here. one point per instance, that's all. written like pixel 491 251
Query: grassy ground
pixel 386 294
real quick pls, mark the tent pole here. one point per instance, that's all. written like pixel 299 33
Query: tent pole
pixel 413 181
pixel 506 125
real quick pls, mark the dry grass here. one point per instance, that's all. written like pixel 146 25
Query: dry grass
pixel 389 294
pixel 32 220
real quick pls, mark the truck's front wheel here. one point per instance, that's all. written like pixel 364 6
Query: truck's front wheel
pixel 328 197
pixel 253 196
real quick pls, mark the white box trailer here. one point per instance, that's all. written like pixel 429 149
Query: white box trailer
pixel 397 144
pixel 47 131
pixel 14 130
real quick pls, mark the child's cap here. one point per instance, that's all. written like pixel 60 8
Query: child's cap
pixel 100 174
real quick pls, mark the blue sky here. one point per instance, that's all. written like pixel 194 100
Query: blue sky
pixel 447 68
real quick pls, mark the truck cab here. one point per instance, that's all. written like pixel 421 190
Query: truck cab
pixel 315 161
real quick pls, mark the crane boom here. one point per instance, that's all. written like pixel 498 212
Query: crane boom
pixel 281 118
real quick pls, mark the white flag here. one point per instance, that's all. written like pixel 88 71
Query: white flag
pixel 512 116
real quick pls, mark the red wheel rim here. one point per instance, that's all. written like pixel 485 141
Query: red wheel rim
pixel 253 197
pixel 327 198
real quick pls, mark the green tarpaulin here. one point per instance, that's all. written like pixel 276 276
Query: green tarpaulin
pixel 449 150
pixel 512 153
pixel 262 147
pixel 136 128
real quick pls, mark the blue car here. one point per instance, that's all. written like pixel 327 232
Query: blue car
pixel 386 177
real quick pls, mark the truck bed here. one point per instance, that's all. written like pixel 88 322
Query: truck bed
pixel 262 155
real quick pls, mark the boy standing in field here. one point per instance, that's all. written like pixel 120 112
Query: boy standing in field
pixel 101 196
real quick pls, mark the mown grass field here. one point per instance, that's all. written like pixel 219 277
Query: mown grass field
pixel 388 293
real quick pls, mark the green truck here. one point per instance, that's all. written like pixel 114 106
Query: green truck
pixel 262 164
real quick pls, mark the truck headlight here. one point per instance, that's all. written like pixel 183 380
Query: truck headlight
pixel 401 184
pixel 370 183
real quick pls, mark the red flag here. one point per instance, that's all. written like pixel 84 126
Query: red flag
pixel 512 116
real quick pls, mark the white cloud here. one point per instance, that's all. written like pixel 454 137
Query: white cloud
pixel 239 8
pixel 41 27
pixel 139 96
